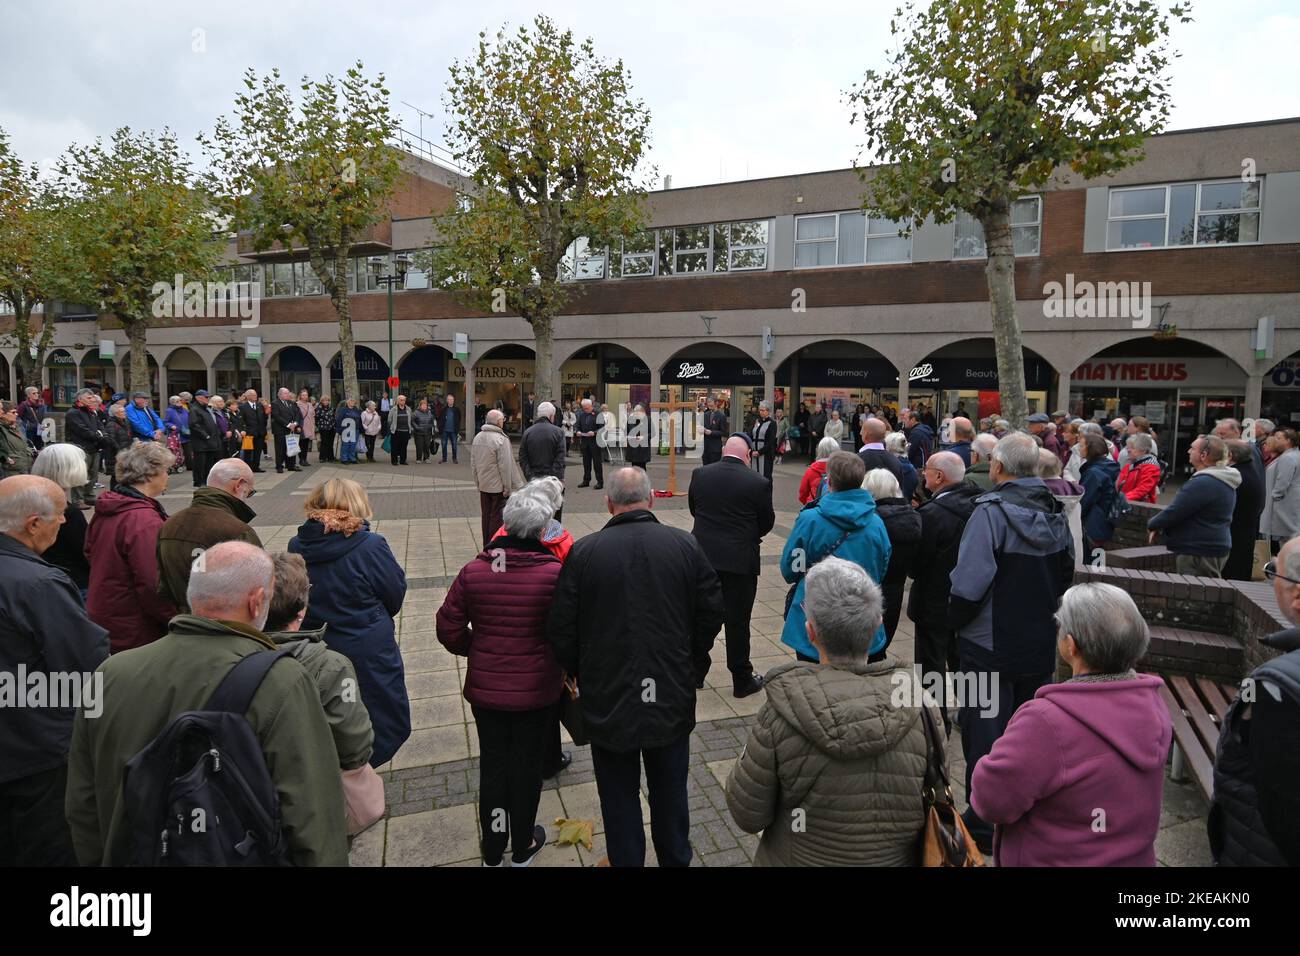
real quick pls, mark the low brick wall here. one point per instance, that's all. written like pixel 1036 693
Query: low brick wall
pixel 1131 530
pixel 1147 558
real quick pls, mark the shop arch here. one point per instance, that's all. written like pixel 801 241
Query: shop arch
pixel 423 372
pixel 839 373
pixel 962 378
pixel 186 371
pixel 236 372
pixel 607 372
pixel 99 374
pixel 125 361
pixel 64 377
pixel 1280 396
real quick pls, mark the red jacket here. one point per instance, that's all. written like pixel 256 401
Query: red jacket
pixel 812 480
pixel 1140 480
pixel 495 614
pixel 122 546
pixel 555 539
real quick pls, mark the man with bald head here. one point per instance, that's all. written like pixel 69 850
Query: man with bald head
pixel 46 632
pixel 732 505
pixel 286 420
pixel 963 433
pixel 873 452
pixel 943 519
pixel 495 472
pixel 219 512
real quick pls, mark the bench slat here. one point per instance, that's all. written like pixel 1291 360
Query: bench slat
pixel 1196 712
pixel 1213 696
pixel 1191 745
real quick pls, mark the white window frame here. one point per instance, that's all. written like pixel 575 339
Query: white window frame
pixel 746 247
pixel 706 249
pixel 652 255
pixel 867 236
pixel 1037 223
pixel 1197 213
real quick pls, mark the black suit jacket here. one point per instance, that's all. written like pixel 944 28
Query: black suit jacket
pixel 283 415
pixel 253 419
pixel 716 421
pixel 732 505
pixel 203 430
pixel 879 458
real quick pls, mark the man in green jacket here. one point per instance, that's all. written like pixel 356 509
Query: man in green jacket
pixel 15 453
pixel 981 454
pixel 145 689
pixel 218 513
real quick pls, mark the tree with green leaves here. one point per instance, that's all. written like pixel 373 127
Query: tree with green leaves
pixel 132 218
pixel 30 267
pixel 552 139
pixel 983 100
pixel 311 176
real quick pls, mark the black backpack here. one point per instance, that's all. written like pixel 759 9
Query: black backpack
pixel 200 794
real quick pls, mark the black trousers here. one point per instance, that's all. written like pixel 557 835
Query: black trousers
pixel 712 452
pixel 980 731
pixel 618 780
pixel 370 447
pixel 511 748
pixel 399 442
pixel 738 592
pixel 33 829
pixel 326 446
pixel 282 458
pixel 422 445
pixel 936 651
pixel 203 462
pixel 253 458
pixel 590 456
pixel 187 454
pixel 304 446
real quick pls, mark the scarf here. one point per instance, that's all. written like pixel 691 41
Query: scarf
pixel 335 519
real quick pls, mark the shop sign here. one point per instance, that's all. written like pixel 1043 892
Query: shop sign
pixel 504 370
pixel 107 349
pixel 60 357
pixel 1162 373
pixel 626 371
pixel 1284 375
pixel 711 372
pixel 579 372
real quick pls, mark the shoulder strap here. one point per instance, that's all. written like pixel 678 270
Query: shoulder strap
pixel 235 692
pixel 936 773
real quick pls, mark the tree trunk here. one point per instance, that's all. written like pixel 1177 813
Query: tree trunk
pixel 1001 274
pixel 343 307
pixel 546 377
pixel 137 332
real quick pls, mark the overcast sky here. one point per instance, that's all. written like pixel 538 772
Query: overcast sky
pixel 736 89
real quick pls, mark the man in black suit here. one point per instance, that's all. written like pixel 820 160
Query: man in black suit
pixel 586 432
pixel 873 452
pixel 763 441
pixel 286 419
pixel 252 419
pixel 715 432
pixel 206 442
pixel 732 506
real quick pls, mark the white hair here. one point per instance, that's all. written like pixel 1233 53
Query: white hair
pixel 545 410
pixel 225 471
pixel 1017 453
pixel 629 486
pixel 1141 443
pixel 526 516
pixel 549 488
pixel 845 607
pixel 223 577
pixel 63 464
pixel 881 483
pixel 896 442
pixel 827 447
pixel 32 502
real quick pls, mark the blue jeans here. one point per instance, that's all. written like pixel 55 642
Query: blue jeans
pixel 618 781
pixel 449 441
pixel 348 451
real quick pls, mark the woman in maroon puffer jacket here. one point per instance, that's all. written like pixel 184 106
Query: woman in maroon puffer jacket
pixel 122 548
pixel 495 614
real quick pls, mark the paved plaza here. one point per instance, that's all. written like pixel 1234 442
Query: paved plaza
pixel 429 515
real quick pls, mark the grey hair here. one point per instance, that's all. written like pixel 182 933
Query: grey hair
pixel 83 392
pixel 1049 464
pixel 63 464
pixel 544 410
pixel 174 400
pixel 948 464
pixel 983 445
pixel 1017 453
pixel 1106 625
pixel 186 396
pixel 526 516
pixel 31 502
pixel 142 461
pixel 896 442
pixel 845 471
pixel 629 486
pixel 881 483
pixel 494 416
pixel 845 607
pixel 1264 425
pixel 549 488
pixel 1091 428
pixel 223 576
pixel 225 471
pixel 1141 443
pixel 827 447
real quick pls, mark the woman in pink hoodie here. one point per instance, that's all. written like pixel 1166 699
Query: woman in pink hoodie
pixel 1077 778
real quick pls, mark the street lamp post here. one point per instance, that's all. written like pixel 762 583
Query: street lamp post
pixel 389 281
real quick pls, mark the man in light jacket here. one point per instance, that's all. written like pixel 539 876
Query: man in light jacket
pixel 495 471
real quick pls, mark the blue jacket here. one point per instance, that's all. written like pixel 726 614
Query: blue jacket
pixel 1098 479
pixel 1199 519
pixel 920 445
pixel 911 478
pixel 815 531
pixel 962 450
pixel 143 421
pixel 1016 560
pixel 357 587
pixel 180 418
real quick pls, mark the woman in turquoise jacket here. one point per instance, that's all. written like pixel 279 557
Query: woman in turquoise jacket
pixel 847 517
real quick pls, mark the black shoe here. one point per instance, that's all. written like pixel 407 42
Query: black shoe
pixel 279 471
pixel 751 686
pixel 566 758
pixel 599 485
pixel 304 464
pixel 295 468
pixel 258 471
pixel 539 841
pixel 585 484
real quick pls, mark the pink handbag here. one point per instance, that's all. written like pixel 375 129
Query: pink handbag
pixel 363 793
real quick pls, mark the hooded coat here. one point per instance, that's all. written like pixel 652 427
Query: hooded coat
pixel 1099 489
pixel 122 548
pixel 1015 562
pixel 357 588
pixel 1076 749
pixel 829 742
pixel 1199 519
pixel 848 514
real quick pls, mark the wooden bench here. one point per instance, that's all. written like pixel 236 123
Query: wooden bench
pixel 1196 706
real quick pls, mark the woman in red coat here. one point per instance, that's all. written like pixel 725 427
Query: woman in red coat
pixel 122 548
pixel 495 615
pixel 1139 479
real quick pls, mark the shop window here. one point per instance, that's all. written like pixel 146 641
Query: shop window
pixel 1026 230
pixel 307 281
pixel 1183 214
pixel 849 239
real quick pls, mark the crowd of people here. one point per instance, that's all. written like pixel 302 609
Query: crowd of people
pixel 612 634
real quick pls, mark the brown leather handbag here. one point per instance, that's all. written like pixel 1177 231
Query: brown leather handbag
pixel 944 841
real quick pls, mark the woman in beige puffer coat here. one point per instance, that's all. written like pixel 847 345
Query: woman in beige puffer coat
pixel 833 769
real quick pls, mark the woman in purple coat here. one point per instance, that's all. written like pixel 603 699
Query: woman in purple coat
pixel 1077 777
pixel 512 682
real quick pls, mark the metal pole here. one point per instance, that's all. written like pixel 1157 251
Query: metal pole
pixel 392 392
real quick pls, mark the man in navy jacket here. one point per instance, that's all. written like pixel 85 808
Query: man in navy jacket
pixel 1198 523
